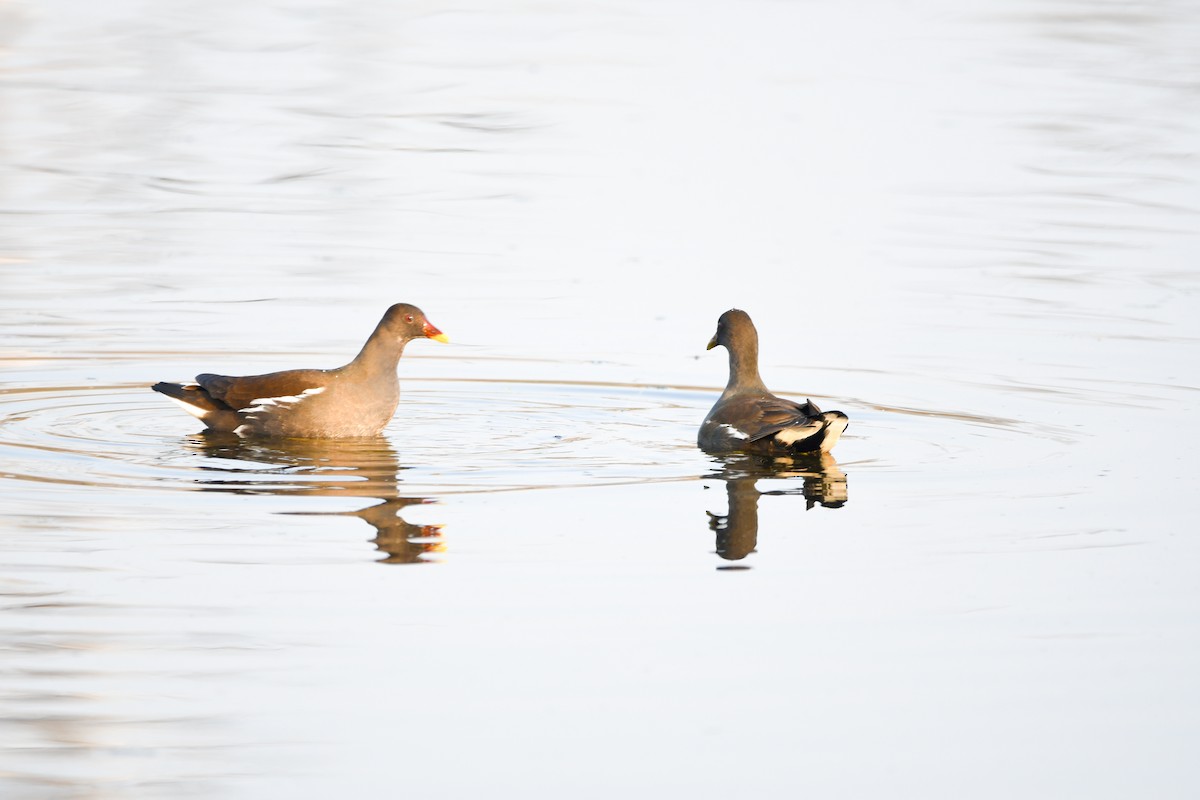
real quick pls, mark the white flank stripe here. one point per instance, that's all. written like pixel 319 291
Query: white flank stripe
pixel 734 432
pixel 264 403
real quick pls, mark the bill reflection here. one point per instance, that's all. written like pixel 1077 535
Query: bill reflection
pixel 366 468
pixel 817 478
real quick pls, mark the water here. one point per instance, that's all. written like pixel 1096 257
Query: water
pixel 974 230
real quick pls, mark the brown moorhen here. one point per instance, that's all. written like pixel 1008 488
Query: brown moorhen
pixel 747 417
pixel 355 400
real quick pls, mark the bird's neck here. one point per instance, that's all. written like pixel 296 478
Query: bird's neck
pixel 380 353
pixel 743 369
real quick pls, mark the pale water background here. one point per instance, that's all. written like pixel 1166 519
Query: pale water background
pixel 973 227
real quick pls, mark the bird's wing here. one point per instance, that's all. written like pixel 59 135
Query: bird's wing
pixel 243 392
pixel 761 416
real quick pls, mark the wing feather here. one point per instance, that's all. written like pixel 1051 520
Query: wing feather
pixel 759 417
pixel 242 392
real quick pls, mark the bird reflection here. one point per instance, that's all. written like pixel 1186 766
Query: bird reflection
pixel 822 482
pixel 366 467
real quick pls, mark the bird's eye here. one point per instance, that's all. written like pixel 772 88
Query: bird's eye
pixel 408 318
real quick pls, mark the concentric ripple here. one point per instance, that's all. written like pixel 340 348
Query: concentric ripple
pixel 452 437
pixel 448 437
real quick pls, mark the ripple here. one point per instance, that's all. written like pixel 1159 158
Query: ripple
pixel 463 436
pixel 450 437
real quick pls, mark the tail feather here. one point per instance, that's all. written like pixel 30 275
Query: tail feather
pixel 190 396
pixel 197 402
pixel 818 433
pixel 835 423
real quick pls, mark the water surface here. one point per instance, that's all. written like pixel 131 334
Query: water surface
pixel 972 230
